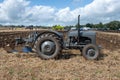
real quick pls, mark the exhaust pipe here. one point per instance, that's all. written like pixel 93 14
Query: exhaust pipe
pixel 78 29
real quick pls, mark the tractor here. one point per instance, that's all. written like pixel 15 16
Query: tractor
pixel 49 44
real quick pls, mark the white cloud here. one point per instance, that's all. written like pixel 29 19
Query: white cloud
pixel 95 12
pixel 102 10
pixel 20 12
pixel 65 15
pixel 39 14
pixel 12 10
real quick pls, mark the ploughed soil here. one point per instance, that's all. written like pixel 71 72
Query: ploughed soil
pixel 70 66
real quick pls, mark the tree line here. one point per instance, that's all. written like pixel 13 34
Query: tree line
pixel 113 25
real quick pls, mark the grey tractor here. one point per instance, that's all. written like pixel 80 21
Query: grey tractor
pixel 49 44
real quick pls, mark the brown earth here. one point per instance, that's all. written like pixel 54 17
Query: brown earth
pixel 71 66
pixel 108 40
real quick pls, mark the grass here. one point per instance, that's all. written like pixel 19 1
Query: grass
pixel 117 75
pixel 11 71
pixel 98 72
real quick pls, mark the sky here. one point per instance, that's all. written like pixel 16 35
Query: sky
pixel 61 3
pixel 58 12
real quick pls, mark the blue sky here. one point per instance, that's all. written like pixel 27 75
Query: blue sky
pixel 61 3
pixel 62 12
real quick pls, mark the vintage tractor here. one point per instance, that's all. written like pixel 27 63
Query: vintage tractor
pixel 49 44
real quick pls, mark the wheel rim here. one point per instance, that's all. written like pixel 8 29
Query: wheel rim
pixel 91 53
pixel 48 47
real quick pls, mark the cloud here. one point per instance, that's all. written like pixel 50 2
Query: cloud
pixel 21 12
pixel 12 10
pixel 39 14
pixel 65 15
pixel 102 10
pixel 95 12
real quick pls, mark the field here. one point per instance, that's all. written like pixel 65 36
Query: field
pixel 70 66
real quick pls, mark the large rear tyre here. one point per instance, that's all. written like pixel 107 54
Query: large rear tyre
pixel 48 46
pixel 90 52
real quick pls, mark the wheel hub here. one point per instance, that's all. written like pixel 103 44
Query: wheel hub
pixel 48 47
pixel 91 52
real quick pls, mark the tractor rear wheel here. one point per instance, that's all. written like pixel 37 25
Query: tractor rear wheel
pixel 48 46
pixel 90 52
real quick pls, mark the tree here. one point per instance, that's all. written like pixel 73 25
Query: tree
pixel 0 25
pixel 89 25
pixel 57 27
pixel 100 25
pixel 113 25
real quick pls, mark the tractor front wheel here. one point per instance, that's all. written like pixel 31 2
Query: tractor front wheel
pixel 90 52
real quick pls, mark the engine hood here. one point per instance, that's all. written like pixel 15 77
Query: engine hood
pixel 90 33
pixel 82 33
